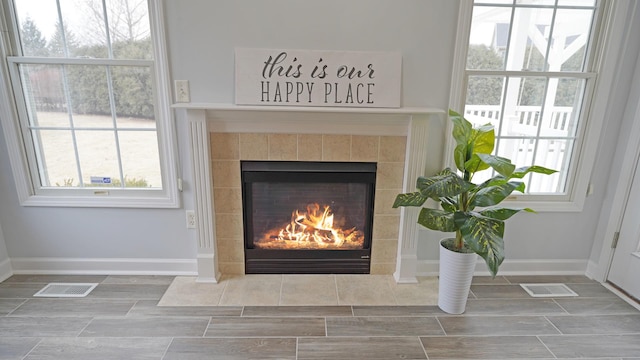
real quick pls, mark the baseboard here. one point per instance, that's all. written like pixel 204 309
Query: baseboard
pixel 5 270
pixel 516 267
pixel 92 266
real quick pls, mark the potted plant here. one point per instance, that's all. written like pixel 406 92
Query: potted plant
pixel 470 210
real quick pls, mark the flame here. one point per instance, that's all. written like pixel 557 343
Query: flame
pixel 312 229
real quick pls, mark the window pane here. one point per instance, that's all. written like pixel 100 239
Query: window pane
pixel 570 36
pixel 89 91
pixel 78 29
pixel 488 38
pixel 42 88
pixel 140 163
pixel 520 151
pixel 576 2
pixel 133 95
pixel 522 106
pixel 528 39
pixel 56 158
pixel 553 154
pixel 484 94
pixel 36 25
pixel 567 105
pixel 493 1
pixel 98 156
pixel 535 2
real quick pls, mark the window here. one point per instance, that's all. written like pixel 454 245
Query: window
pixel 530 70
pixel 94 122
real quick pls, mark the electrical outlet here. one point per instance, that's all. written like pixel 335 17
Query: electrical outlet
pixel 191 219
pixel 182 91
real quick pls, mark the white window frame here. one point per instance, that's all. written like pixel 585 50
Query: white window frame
pixel 23 160
pixel 610 30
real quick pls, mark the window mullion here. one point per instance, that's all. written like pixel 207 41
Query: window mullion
pixel 106 29
pixel 65 48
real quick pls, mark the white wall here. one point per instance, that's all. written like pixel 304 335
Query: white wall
pixel 201 37
pixel 203 34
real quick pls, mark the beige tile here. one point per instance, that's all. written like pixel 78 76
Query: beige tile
pixel 336 147
pixel 228 226
pixel 384 202
pixel 319 290
pixel 384 251
pixel 392 148
pixel 283 147
pixel 185 291
pixel 254 146
pixel 228 200
pixel 226 173
pixel 386 227
pixel 364 290
pixel 309 147
pixel 383 268
pixel 230 250
pixel 425 292
pixel 227 269
pixel 257 290
pixel 389 175
pixel 364 148
pixel 224 146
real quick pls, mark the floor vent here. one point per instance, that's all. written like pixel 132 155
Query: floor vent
pixel 548 290
pixel 66 290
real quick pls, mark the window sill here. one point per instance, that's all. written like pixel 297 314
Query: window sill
pixel 103 201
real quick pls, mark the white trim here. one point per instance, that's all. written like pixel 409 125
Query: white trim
pixel 5 270
pixel 516 267
pixel 94 266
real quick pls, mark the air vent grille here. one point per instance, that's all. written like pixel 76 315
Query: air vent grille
pixel 66 290
pixel 548 290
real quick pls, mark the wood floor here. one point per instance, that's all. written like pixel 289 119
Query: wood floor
pixel 120 319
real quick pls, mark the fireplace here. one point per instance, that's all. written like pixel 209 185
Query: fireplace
pixel 307 217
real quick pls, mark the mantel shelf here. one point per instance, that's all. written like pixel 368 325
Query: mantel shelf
pixel 307 109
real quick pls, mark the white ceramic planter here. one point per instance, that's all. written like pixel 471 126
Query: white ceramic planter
pixel 456 273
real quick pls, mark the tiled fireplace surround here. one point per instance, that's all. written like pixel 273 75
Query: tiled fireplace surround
pixel 222 135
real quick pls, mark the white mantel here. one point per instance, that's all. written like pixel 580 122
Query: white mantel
pixel 414 123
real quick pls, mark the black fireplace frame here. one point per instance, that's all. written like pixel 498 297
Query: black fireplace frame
pixel 302 261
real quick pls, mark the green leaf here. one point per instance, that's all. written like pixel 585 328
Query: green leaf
pixel 462 129
pixel 519 173
pixel 475 164
pixel 437 220
pixel 444 184
pixel 495 194
pixel 484 236
pixel 484 139
pixel 462 132
pixel 502 166
pixel 410 199
pixel 460 156
pixel 448 204
pixel 502 213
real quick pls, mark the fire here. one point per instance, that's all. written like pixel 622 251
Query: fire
pixel 312 229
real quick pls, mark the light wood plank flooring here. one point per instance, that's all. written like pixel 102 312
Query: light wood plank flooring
pixel 121 319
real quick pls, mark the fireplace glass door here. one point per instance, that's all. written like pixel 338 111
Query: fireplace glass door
pixel 307 217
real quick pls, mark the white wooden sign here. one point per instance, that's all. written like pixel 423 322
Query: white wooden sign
pixel 317 78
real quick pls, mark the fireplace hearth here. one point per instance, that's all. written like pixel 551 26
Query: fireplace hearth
pixel 307 217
